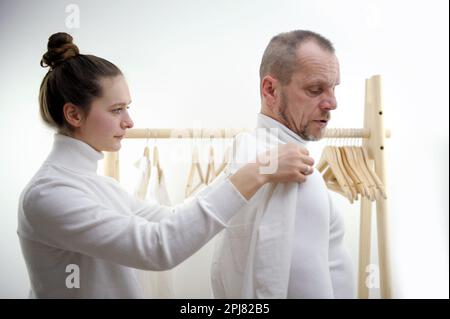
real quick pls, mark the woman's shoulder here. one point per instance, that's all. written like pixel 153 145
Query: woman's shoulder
pixel 47 182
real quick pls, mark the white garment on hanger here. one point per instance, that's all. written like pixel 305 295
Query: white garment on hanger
pixel 143 166
pixel 157 188
pixel 155 284
pixel 288 241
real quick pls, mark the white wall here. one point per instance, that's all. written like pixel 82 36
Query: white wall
pixel 196 64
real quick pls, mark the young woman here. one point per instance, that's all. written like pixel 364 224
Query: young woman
pixel 81 234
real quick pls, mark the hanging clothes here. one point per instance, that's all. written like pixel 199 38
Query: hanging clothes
pixel 143 166
pixel 211 172
pixel 151 186
pixel 157 189
pixel 288 242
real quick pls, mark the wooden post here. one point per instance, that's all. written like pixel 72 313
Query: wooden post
pixel 375 145
pixel 364 246
pixel 111 167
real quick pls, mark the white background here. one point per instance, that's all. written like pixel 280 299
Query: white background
pixel 195 64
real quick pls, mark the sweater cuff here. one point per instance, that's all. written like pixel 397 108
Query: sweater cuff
pixel 222 202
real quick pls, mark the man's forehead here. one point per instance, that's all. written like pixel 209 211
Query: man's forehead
pixel 328 61
pixel 319 75
pixel 317 70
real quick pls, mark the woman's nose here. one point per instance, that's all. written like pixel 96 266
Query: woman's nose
pixel 127 122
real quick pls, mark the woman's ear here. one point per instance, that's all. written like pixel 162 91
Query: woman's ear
pixel 270 91
pixel 73 114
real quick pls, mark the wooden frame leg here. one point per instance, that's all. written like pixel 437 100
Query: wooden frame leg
pixel 364 246
pixel 383 253
pixel 111 166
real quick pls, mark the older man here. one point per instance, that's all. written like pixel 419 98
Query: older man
pixel 289 242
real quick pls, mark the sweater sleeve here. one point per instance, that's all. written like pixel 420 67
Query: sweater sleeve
pixel 65 217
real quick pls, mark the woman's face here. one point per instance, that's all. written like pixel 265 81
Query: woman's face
pixel 108 119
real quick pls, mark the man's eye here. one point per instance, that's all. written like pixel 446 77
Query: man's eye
pixel 315 91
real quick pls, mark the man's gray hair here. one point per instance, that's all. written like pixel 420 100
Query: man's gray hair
pixel 280 57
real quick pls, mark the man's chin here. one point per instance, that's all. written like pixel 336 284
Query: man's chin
pixel 317 135
pixel 312 137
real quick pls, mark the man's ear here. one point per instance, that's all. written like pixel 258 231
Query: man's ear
pixel 73 114
pixel 270 91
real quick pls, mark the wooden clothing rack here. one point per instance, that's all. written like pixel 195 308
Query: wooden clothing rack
pixel 373 135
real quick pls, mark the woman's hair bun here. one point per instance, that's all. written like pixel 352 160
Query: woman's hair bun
pixel 59 48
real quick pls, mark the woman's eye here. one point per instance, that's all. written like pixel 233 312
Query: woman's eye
pixel 120 109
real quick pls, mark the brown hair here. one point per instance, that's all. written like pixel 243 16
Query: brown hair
pixel 73 77
pixel 280 57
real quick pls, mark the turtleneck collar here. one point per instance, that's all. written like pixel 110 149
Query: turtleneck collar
pixel 284 134
pixel 74 154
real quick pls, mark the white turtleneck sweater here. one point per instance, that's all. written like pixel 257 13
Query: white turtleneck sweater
pixel 321 266
pixel 82 235
pixel 288 243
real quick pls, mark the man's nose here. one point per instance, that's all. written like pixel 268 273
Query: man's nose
pixel 329 103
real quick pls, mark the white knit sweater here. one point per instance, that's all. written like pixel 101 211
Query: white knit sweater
pixel 288 242
pixel 71 217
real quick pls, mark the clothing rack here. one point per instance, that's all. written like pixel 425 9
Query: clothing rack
pixel 373 135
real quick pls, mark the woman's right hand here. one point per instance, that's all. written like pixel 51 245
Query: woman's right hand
pixel 286 163
pixel 283 164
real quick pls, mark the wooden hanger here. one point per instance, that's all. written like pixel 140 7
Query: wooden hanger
pixel 195 167
pixel 351 151
pixel 366 176
pixel 331 182
pixel 365 165
pixel 156 163
pixel 225 161
pixel 333 175
pixel 147 152
pixel 346 172
pixel 210 171
pixel 353 176
pixel 378 184
pixel 355 167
